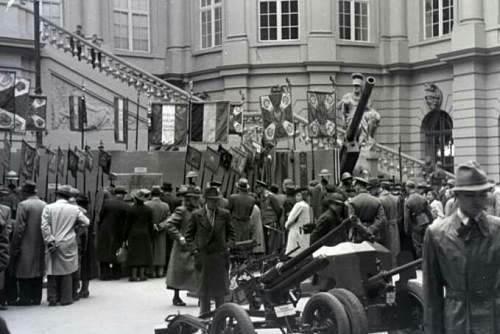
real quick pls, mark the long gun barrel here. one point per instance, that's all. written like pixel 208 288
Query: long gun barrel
pixel 374 280
pixel 276 274
pixel 350 149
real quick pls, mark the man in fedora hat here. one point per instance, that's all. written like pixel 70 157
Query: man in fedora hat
pixel 417 215
pixel 161 211
pixel 181 274
pixel 241 206
pixel 211 233
pixel 318 192
pixel 110 226
pixel 28 249
pixel 168 196
pixel 59 221
pixel 271 212
pixel 461 255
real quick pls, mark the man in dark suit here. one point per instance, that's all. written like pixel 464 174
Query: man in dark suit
pixel 417 216
pixel 169 198
pixel 110 233
pixel 211 233
pixel 241 206
pixel 370 212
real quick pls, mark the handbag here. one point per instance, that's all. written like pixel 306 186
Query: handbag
pixel 122 254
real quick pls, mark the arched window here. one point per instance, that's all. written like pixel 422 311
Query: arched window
pixel 437 130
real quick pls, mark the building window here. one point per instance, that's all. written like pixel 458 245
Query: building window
pixel 211 23
pixel 353 20
pixel 438 17
pixel 279 20
pixel 131 25
pixel 51 10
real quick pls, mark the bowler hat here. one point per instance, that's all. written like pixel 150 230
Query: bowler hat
pixel 212 193
pixel 64 190
pixel 470 177
pixel 410 184
pixel 324 172
pixel 29 188
pixel 156 191
pixel 346 176
pixel 167 186
pixel 243 184
pixel 120 190
pixel 336 198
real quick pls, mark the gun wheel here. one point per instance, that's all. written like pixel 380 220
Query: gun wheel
pixel 325 314
pixel 231 319
pixel 415 309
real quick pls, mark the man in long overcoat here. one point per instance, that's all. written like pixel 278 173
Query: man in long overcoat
pixel 181 274
pixel 241 206
pixel 211 232
pixel 28 248
pixel 390 236
pixel 461 256
pixel 271 212
pixel 417 217
pixel 59 221
pixel 161 211
pixel 110 237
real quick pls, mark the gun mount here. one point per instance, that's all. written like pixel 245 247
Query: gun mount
pixel 349 152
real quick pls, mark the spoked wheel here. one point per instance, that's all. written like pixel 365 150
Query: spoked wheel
pixel 325 315
pixel 231 319
pixel 414 309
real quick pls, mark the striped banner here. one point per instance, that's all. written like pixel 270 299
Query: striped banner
pixel 209 122
pixel 168 124
pixel 121 119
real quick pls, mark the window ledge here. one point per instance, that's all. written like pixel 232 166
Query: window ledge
pixel 267 44
pixel 344 42
pixel 201 52
pixel 134 54
pixel 433 40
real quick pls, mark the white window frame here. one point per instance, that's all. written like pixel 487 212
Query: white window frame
pixel 211 8
pixel 440 20
pixel 279 26
pixel 129 11
pixel 353 21
pixel 61 10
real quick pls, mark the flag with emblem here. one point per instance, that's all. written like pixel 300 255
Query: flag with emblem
pixel 89 159
pixel 209 122
pixel 52 160
pixel 60 161
pixel 5 154
pixel 321 114
pixel 236 119
pixel 277 117
pixel 211 159
pixel 105 161
pixel 239 160
pixel 72 162
pixel 193 157
pixel 28 160
pixel 225 157
pixel 81 159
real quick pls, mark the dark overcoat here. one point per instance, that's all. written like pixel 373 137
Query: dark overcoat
pixel 241 207
pixel 464 262
pixel 4 250
pixel 180 274
pixel 325 223
pixel 416 206
pixel 111 226
pixel 211 244
pixel 390 234
pixel 161 211
pixel 139 236
pixel 28 248
pixel 370 212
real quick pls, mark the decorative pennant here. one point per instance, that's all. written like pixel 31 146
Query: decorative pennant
pixel 236 119
pixel 321 114
pixel 277 117
pixel 211 160
pixel 209 122
pixel 121 119
pixel 193 157
pixel 225 157
pixel 37 113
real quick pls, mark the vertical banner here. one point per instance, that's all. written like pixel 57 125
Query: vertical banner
pixel 209 122
pixel 303 169
pixel 89 159
pixel 277 116
pixel 28 160
pixel 121 119
pixel 321 114
pixel 211 161
pixel 73 113
pixel 168 124
pixel 37 113
pixel 7 91
pixel 51 162
pixel 105 161
pixel 72 163
pixel 236 119
pixel 60 162
pixel 22 97
pixel 193 157
pixel 81 159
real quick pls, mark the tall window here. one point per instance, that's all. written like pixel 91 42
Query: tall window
pixel 211 23
pixel 131 25
pixel 52 10
pixel 279 20
pixel 353 20
pixel 438 17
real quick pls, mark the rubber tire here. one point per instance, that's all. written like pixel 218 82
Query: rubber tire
pixel 354 309
pixel 415 289
pixel 245 325
pixel 179 328
pixel 335 306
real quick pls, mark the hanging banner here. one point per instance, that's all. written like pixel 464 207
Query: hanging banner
pixel 209 122
pixel 81 159
pixel 89 159
pixel 303 169
pixel 225 157
pixel 321 114
pixel 193 157
pixel 105 161
pixel 5 153
pixel 7 92
pixel 60 161
pixel 168 124
pixel 77 113
pixel 236 119
pixel 277 117
pixel 121 119
pixel 72 162
pixel 28 160
pixel 37 113
pixel 211 161
pixel 239 160
pixel 22 97
pixel 52 161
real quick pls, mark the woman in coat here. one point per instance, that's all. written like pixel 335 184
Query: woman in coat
pixel 181 274
pixel 298 217
pixel 138 236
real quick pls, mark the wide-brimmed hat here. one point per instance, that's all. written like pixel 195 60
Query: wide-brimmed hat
pixel 360 180
pixel 120 190
pixel 373 183
pixel 243 184
pixel 29 188
pixel 64 190
pixel 192 174
pixel 74 192
pixel 140 194
pixel 189 191
pixel 470 177
pixel 167 186
pixel 217 184
pixel 212 193
pixel 410 184
pixel 11 175
pixel 324 172
pixel 156 191
pixel 346 176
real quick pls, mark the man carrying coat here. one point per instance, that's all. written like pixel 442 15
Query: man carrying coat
pixel 211 232
pixel 461 255
pixel 28 249
pixel 59 221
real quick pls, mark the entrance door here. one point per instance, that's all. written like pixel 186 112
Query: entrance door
pixel 437 128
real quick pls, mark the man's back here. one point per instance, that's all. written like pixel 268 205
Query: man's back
pixel 240 206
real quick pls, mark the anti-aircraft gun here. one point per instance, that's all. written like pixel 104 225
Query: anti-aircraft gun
pixel 362 298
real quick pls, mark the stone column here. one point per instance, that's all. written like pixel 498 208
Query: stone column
pixel 469 28
pixel 321 18
pixel 394 34
pixel 91 20
pixel 235 43
pixel 176 32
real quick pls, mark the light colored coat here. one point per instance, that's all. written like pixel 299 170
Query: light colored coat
pixel 28 249
pixel 298 217
pixel 59 220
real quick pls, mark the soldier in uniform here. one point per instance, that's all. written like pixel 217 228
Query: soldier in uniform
pixel 370 212
pixel 461 275
pixel 391 238
pixel 417 216
pixel 271 214
pixel 318 192
pixel 241 206
pixel 346 187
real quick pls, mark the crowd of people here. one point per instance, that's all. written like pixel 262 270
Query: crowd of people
pixel 185 235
